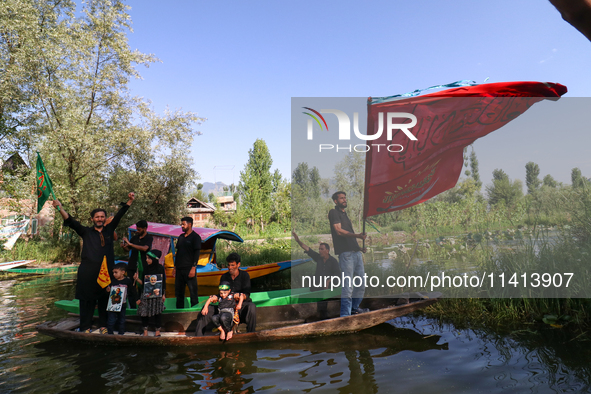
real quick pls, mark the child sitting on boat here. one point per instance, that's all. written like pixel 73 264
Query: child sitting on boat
pixel 151 305
pixel 121 287
pixel 228 304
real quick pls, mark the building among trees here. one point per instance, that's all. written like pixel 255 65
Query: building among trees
pixel 200 211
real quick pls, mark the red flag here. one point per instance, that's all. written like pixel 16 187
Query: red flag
pixel 447 122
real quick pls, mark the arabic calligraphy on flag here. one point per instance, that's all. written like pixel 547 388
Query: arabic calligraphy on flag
pixel 103 278
pixel 447 122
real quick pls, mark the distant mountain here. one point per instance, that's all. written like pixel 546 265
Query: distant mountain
pixel 210 187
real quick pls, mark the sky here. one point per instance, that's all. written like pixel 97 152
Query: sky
pixel 239 65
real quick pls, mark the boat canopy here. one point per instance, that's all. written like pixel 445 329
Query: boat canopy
pixel 174 230
pixel 165 235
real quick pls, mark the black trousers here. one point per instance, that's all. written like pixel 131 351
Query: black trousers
pixel 87 311
pixel 247 315
pixel 157 321
pixel 225 320
pixel 182 279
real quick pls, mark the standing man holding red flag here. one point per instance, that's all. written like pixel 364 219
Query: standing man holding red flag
pixel 345 244
pixel 97 245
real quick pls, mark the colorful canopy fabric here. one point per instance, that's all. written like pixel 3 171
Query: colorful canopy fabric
pixel 172 230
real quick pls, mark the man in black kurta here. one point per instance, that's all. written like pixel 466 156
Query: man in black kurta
pixel 188 249
pixel 97 243
pixel 239 283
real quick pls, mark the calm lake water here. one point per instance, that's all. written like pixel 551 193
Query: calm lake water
pixel 409 355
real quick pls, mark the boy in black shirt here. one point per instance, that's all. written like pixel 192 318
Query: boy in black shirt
pixel 117 319
pixel 239 282
pixel 227 307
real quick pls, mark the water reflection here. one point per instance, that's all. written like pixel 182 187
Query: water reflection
pixel 411 355
pixel 345 363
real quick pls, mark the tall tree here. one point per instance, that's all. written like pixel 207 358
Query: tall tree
pixel 549 181
pixel 31 33
pixel 502 189
pixel 256 185
pixel 281 201
pixel 301 176
pixel 474 170
pixel 76 104
pixel 532 172
pixel 576 178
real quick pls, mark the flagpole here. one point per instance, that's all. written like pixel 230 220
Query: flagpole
pixel 366 178
pixel 364 233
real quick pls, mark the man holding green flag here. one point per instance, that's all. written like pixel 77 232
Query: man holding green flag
pixel 139 245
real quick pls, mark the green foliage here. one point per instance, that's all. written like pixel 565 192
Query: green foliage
pixel 281 202
pixel 503 190
pixel 474 170
pixel 309 210
pixel 69 72
pixel 579 208
pixel 53 250
pixel 532 171
pixel 549 181
pixel 256 185
pixel 577 179
pixel 161 190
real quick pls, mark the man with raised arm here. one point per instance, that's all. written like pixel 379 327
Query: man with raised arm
pixel 97 243
pixel 326 265
pixel 345 244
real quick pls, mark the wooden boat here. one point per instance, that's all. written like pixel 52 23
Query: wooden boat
pixel 174 319
pixel 208 272
pixel 13 264
pixel 45 270
pixel 279 322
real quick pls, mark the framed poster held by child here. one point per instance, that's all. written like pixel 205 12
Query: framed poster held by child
pixel 153 286
pixel 117 298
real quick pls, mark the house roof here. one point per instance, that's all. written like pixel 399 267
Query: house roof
pixel 194 203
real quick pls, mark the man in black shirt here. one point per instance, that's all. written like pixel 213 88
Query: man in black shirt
pixel 345 244
pixel 97 243
pixel 188 248
pixel 326 265
pixel 139 245
pixel 239 283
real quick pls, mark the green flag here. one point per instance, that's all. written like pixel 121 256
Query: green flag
pixel 44 186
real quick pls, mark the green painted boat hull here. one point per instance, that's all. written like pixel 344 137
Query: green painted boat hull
pixel 260 299
pixel 44 271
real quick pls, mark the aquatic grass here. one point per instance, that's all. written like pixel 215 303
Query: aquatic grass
pixel 253 253
pixel 572 313
pixel 43 251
